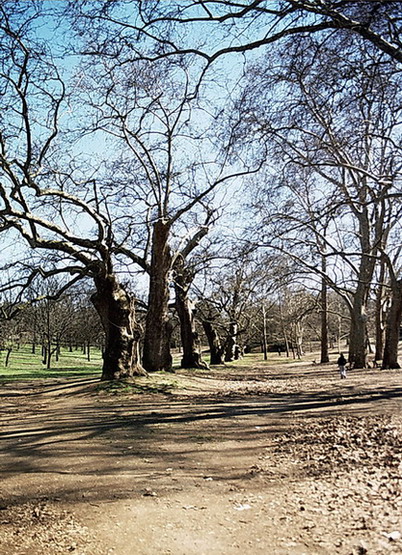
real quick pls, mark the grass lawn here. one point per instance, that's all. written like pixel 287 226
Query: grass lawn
pixel 24 365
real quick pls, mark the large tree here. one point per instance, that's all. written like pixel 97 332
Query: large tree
pixel 61 213
pixel 162 155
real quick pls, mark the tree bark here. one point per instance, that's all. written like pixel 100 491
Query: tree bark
pixel 357 338
pixel 324 318
pixel 380 315
pixel 33 351
pixel 264 333
pixel 186 311
pixel 57 349
pixel 7 356
pixel 392 330
pixel 230 351
pixel 48 354
pixel 122 332
pixel 298 339
pixel 285 335
pixel 215 346
pixel 156 354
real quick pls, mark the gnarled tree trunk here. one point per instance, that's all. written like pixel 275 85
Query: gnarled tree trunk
pixel 392 330
pixel 215 347
pixel 231 353
pixel 156 355
pixel 357 338
pixel 185 311
pixel 122 332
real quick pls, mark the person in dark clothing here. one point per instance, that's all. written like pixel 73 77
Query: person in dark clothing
pixel 342 366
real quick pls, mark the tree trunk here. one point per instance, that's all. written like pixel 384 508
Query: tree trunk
pixel 7 356
pixel 57 350
pixel 34 338
pixel 238 352
pixel 264 334
pixel 299 332
pixel 230 351
pixel 292 344
pixel 122 333
pixel 392 330
pixel 49 354
pixel 156 354
pixel 324 319
pixel 380 315
pixel 357 338
pixel 285 335
pixel 215 347
pixel 189 337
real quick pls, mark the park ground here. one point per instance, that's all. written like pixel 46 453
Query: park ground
pixel 276 457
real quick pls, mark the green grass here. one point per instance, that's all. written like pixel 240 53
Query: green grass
pixel 24 365
pixel 135 388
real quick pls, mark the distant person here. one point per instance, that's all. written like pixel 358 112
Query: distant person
pixel 342 366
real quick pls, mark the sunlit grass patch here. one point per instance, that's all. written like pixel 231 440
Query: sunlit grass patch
pixel 137 388
pixel 23 364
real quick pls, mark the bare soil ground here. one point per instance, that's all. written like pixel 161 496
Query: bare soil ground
pixel 274 458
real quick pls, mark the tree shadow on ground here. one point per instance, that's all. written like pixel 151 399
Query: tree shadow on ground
pixel 136 438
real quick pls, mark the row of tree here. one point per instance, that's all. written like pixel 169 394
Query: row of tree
pixel 122 131
pixel 235 318
pixel 50 324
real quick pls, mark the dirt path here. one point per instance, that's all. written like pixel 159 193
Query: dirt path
pixel 287 460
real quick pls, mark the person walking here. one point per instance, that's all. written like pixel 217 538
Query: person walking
pixel 342 366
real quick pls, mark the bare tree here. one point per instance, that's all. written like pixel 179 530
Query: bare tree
pixel 338 144
pixel 185 270
pixel 164 161
pixel 228 309
pixel 67 223
pixel 172 28
pixel 53 319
